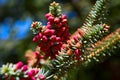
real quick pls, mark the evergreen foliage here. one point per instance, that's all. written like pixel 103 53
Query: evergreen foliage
pixel 90 42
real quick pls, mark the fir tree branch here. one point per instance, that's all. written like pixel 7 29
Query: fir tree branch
pixel 85 44
pixel 105 47
pixel 64 62
pixel 95 14
pixel 92 35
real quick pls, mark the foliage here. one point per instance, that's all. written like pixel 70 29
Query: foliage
pixel 59 52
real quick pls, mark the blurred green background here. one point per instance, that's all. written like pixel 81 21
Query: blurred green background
pixel 16 16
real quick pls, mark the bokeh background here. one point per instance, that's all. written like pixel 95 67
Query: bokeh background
pixel 16 17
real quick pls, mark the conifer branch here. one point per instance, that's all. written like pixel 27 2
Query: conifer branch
pixel 104 47
pixel 64 62
pixel 92 35
pixel 95 13
pixel 88 43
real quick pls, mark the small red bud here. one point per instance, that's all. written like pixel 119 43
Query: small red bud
pixel 53 37
pixel 31 73
pixel 49 26
pixel 40 35
pixel 48 23
pixel 24 68
pixel 76 38
pixel 59 25
pixel 48 15
pixel 36 38
pixel 64 16
pixel 51 19
pixel 44 38
pixel 78 53
pixel 42 77
pixel 19 65
pixel 64 21
pixel 56 20
pixel 58 39
pixel 49 31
